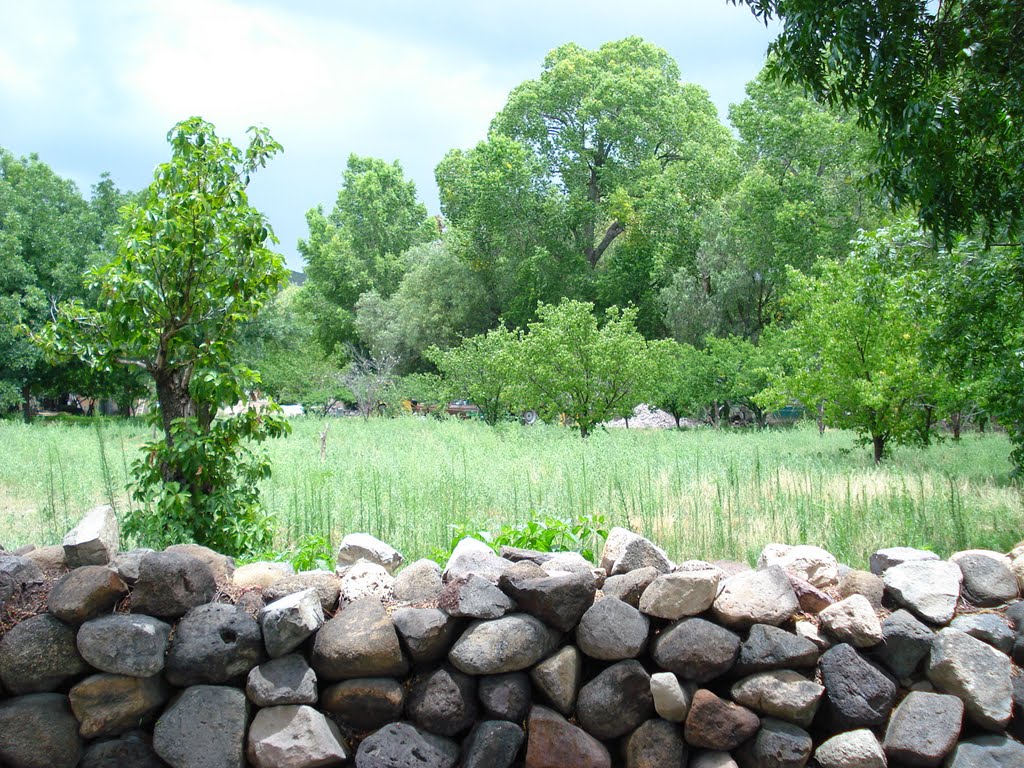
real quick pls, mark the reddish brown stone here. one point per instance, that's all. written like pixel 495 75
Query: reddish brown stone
pixel 811 599
pixel 86 593
pixel 715 723
pixel 553 742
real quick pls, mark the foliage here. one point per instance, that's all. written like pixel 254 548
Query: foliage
pixel 859 341
pixel 938 83
pixel 47 235
pixel 482 369
pixel 548 533
pixel 568 365
pixel 437 303
pixel 191 268
pixel 683 379
pixel 359 245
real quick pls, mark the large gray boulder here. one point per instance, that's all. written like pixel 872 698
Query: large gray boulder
pixel 285 680
pixel 928 588
pixel 360 641
pixel 39 731
pixel 95 540
pixel 508 644
pixel 506 697
pixel 654 744
pixel 884 559
pixel 682 593
pixel 293 736
pixel 852 620
pixel 990 628
pixel 39 655
pixel 213 644
pixel 134 749
pixel 16 574
pixel 203 728
pixel 326 584
pixel 125 644
pixel 756 597
pixel 557 600
pixel 778 744
pixel 492 744
pixel 611 630
pixel 474 597
pixel 169 584
pixel 988 580
pixel 905 643
pixel 768 647
pixel 473 556
pixel 923 728
pixel 418 582
pixel 976 673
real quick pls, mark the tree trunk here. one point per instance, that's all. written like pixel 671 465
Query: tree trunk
pixel 821 420
pixel 173 397
pixel 956 422
pixel 26 399
pixel 878 442
pixel 678 419
pixel 584 431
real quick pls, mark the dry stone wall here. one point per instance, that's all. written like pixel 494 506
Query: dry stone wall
pixel 534 659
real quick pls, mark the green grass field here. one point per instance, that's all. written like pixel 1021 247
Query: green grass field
pixel 699 493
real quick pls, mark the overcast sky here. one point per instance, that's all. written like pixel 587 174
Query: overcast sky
pixel 94 86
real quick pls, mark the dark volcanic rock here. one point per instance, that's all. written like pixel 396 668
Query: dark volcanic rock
pixel 39 731
pixel 696 650
pixel 905 642
pixel 133 750
pixel 214 643
pixel 987 581
pixel 492 744
pixel 777 745
pixel 630 587
pixel 170 584
pixel 474 597
pixel 426 633
pixel 558 601
pixel 617 701
pixel 923 728
pixel 856 693
pixel 506 697
pixel 443 702
pixel 508 644
pixel 611 630
pixel 284 680
pixel 401 745
pixel 204 728
pixel 39 655
pixel 768 647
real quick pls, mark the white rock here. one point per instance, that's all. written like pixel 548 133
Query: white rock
pixel 812 564
pixel 853 749
pixel 928 588
pixel 625 551
pixel 365 579
pixel 95 540
pixel 293 736
pixel 473 556
pixel 780 693
pixel 287 622
pixel 852 621
pixel 362 546
pixel 1017 567
pixel 671 698
pixel 713 760
pixel 682 593
pixel 884 559
pixel 811 631
pixel 418 582
pixel 974 672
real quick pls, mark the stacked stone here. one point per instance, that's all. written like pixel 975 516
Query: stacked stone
pixel 524 659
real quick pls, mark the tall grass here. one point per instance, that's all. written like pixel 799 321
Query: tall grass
pixel 701 494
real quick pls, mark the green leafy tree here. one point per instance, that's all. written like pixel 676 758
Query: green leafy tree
pixel 684 379
pixel 437 303
pixel 859 341
pixel 47 234
pixel 939 84
pixel 482 370
pixel 569 364
pixel 359 245
pixel 192 266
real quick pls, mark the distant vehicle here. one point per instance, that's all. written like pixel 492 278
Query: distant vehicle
pixel 461 408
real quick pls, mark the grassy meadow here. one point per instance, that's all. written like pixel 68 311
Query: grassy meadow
pixel 698 493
